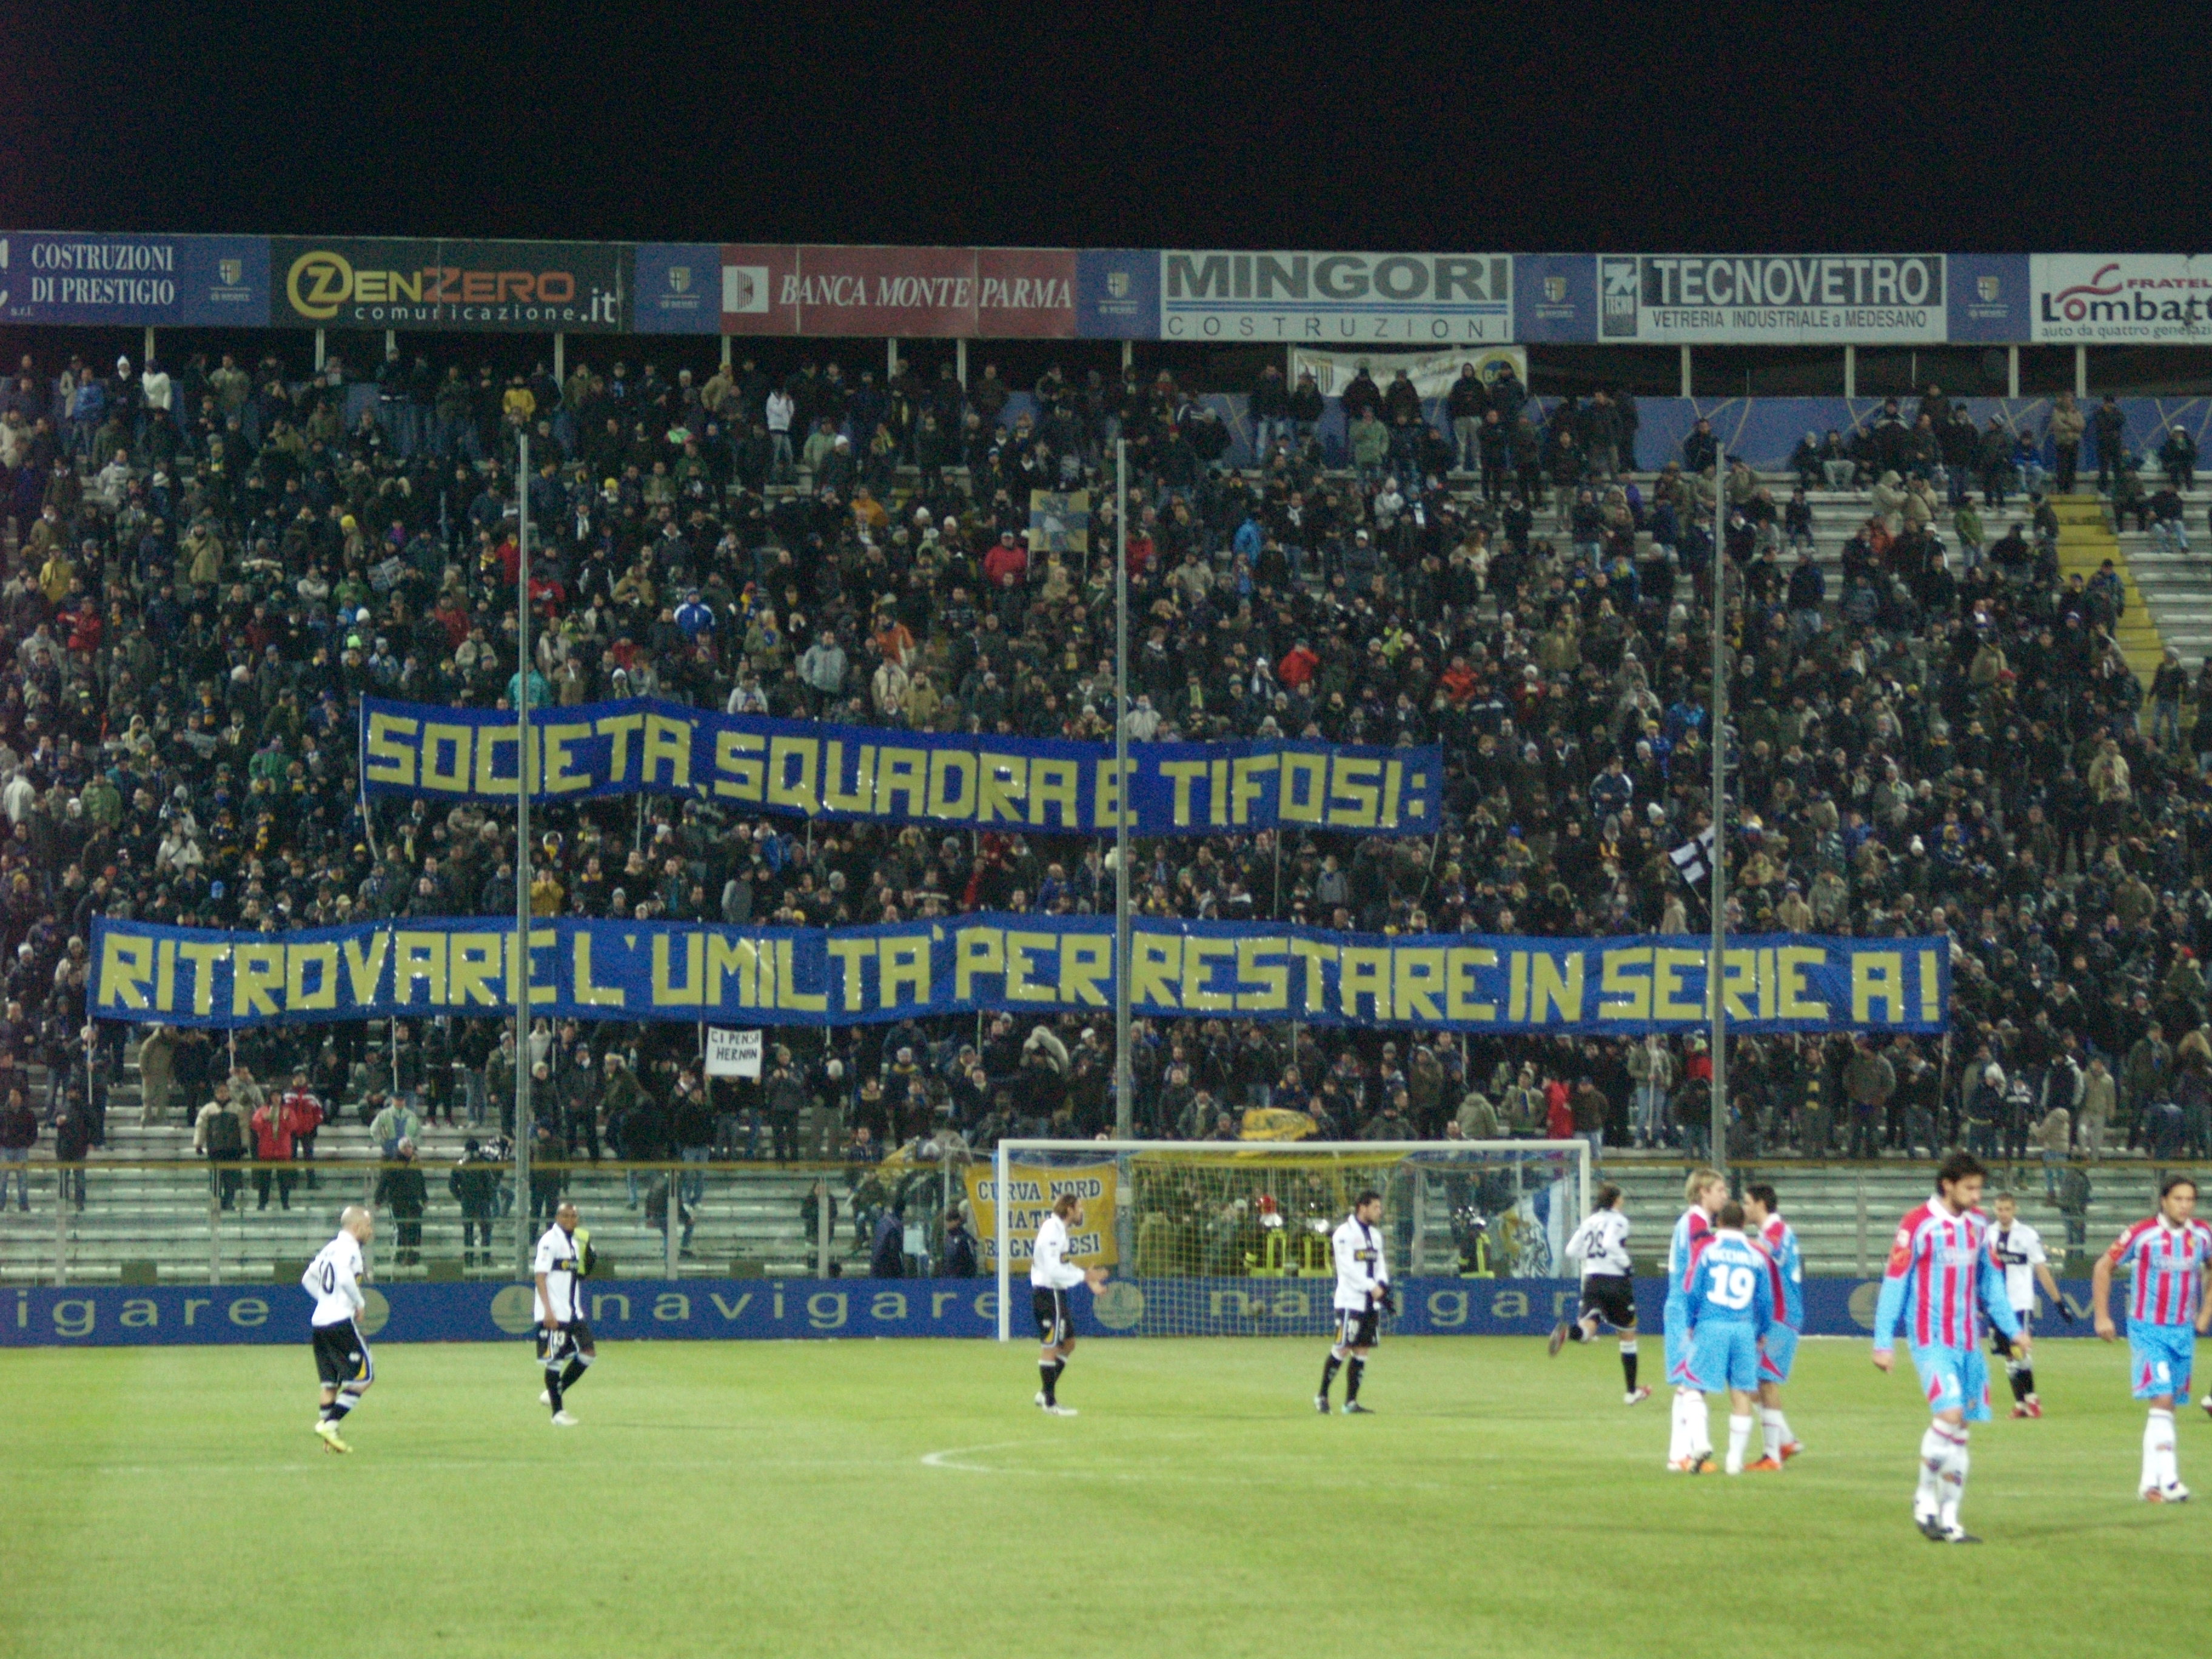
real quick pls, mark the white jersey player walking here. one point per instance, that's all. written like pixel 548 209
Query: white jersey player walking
pixel 2018 1249
pixel 565 1347
pixel 1363 1291
pixel 342 1357
pixel 1052 1276
pixel 1601 1244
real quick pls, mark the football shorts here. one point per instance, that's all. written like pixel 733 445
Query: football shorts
pixel 1055 1318
pixel 341 1356
pixel 557 1345
pixel 1675 1330
pixel 1955 1379
pixel 1725 1356
pixel 1777 1353
pixel 1355 1329
pixel 2160 1359
pixel 1611 1299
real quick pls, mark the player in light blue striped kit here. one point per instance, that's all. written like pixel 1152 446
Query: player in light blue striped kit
pixel 1729 1307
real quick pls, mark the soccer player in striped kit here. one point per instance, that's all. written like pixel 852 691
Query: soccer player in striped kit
pixel 1778 1349
pixel 2169 1305
pixel 1940 1278
pixel 1689 1436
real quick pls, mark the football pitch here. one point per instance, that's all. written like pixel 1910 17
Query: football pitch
pixel 906 1498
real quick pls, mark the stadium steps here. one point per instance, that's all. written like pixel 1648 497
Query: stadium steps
pixel 2085 542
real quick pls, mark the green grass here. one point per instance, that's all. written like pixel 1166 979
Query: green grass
pixel 782 1498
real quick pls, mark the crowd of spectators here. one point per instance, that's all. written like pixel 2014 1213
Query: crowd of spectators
pixel 211 563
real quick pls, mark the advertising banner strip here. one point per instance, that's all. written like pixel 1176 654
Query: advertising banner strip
pixel 590 752
pixel 2122 299
pixel 97 279
pixel 1794 299
pixel 777 1310
pixel 871 293
pixel 1327 299
pixel 1038 965
pixel 421 283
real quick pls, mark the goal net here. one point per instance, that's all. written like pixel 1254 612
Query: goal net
pixel 1210 1238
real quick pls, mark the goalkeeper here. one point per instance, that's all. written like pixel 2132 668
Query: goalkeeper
pixel 1363 1291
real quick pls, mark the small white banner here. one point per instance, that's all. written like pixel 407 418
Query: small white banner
pixel 1431 371
pixel 732 1054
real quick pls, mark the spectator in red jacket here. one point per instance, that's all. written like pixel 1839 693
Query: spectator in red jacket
pixel 273 1145
pixel 1298 667
pixel 1008 560
pixel 300 1114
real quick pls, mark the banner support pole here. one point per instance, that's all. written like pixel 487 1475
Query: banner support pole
pixel 1715 963
pixel 520 987
pixel 1124 1103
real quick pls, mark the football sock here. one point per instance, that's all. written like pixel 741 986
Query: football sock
pixel 2158 1459
pixel 1678 1428
pixel 1050 1370
pixel 2014 1372
pixel 1774 1429
pixel 1951 1482
pixel 1698 1424
pixel 553 1387
pixel 2026 1383
pixel 1934 1449
pixel 1329 1367
pixel 575 1372
pixel 1356 1369
pixel 338 1408
pixel 1628 1365
pixel 1739 1437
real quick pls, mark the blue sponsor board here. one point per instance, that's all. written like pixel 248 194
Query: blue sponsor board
pixel 134 281
pixel 1554 298
pixel 1989 300
pixel 762 1309
pixel 1117 293
pixel 679 288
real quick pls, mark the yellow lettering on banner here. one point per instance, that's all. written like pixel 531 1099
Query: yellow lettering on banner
pixel 781 790
pixel 1197 956
pixel 1624 993
pixel 1270 975
pixel 764 977
pixel 489 742
pixel 731 959
pixel 1460 962
pixel 1086 966
pixel 1107 803
pixel 1245 788
pixel 204 958
pixel 1739 982
pixel 297 960
pixel 1003 789
pixel 436 734
pixel 1182 775
pixel 1667 961
pixel 1055 783
pixel 421 957
pixel 126 969
pixel 1931 987
pixel 1153 974
pixel 975 950
pixel 667 740
pixel 1790 963
pixel 517 973
pixel 1877 977
pixel 1304 792
pixel 591 995
pixel 851 952
pixel 1394 783
pixel 666 993
pixel 946 803
pixel 1314 954
pixel 554 776
pixel 472 969
pixel 620 728
pixel 1516 988
pixel 789 995
pixel 1217 793
pixel 389 749
pixel 905 963
pixel 1766 984
pixel 901 772
pixel 257 975
pixel 1019 987
pixel 1418 973
pixel 1363 971
pixel 861 797
pixel 165 975
pixel 739 773
pixel 365 969
pixel 1354 792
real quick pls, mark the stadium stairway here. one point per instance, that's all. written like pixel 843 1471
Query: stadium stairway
pixel 2086 540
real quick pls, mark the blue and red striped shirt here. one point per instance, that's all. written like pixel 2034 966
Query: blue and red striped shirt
pixel 2168 1265
pixel 1941 1281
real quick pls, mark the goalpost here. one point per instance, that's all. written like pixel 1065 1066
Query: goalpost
pixel 1231 1238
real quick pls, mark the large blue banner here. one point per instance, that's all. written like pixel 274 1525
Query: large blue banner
pixel 1035 964
pixel 643 746
pixel 110 1315
pixel 134 281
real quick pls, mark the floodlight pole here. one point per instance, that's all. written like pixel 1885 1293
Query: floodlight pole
pixel 520 974
pixel 1124 1089
pixel 1716 961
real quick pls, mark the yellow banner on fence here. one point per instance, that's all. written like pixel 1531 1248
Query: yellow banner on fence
pixel 1032 1189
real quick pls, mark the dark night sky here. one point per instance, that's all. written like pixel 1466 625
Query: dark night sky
pixel 1533 127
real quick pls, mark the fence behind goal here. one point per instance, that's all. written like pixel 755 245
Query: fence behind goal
pixel 1205 1238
